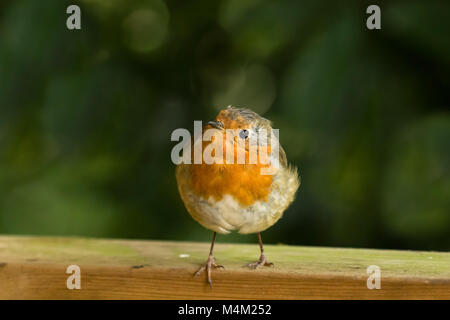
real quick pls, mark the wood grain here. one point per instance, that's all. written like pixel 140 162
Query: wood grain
pixel 35 268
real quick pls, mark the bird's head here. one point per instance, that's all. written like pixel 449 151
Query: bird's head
pixel 247 157
pixel 249 128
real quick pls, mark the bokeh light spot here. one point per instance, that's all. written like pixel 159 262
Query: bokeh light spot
pixel 252 87
pixel 146 29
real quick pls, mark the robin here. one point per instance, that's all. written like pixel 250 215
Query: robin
pixel 224 196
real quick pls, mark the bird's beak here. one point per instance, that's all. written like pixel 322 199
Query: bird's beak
pixel 216 124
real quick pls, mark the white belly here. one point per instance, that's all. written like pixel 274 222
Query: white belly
pixel 227 214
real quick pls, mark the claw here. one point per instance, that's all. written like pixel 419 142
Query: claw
pixel 260 263
pixel 209 265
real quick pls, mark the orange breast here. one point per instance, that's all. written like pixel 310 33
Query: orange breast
pixel 244 182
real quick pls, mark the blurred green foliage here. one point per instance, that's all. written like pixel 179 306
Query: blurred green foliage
pixel 86 116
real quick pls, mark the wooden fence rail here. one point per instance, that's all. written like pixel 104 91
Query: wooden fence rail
pixel 35 268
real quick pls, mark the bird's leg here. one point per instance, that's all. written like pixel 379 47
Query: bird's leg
pixel 262 258
pixel 210 263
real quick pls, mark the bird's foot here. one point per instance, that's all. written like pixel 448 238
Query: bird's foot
pixel 209 265
pixel 261 262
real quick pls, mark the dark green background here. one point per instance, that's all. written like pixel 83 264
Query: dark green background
pixel 86 116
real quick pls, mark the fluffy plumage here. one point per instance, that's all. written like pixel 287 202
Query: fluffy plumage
pixel 226 197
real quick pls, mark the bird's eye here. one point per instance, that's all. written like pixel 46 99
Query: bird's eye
pixel 244 134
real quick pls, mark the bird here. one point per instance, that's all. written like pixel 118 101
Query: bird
pixel 225 197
